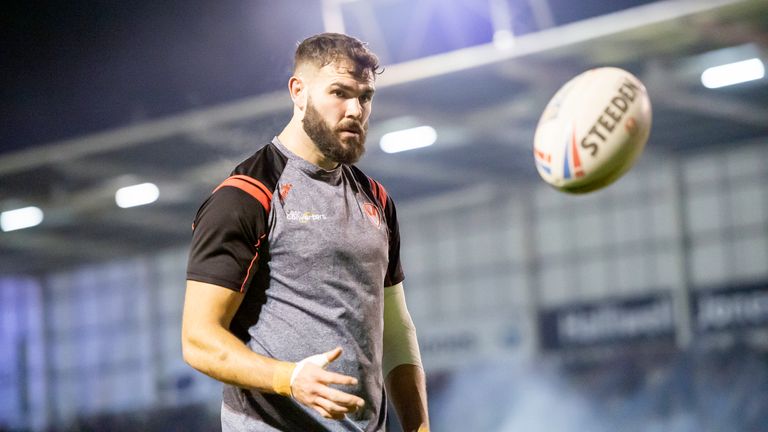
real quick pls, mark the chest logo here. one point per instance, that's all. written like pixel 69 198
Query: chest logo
pixel 284 191
pixel 304 217
pixel 373 214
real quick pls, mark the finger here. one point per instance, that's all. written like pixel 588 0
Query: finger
pixel 335 410
pixel 338 397
pixel 335 378
pixel 322 411
pixel 333 354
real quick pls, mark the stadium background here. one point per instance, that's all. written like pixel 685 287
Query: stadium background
pixel 642 307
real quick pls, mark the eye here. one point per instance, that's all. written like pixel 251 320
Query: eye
pixel 366 98
pixel 337 93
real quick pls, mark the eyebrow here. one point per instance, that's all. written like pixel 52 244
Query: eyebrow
pixel 347 88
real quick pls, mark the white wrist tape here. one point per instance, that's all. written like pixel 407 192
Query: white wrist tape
pixel 318 359
pixel 400 343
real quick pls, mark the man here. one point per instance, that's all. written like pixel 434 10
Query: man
pixel 294 268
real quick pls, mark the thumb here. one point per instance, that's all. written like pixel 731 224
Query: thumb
pixel 324 359
pixel 333 354
pixel 320 360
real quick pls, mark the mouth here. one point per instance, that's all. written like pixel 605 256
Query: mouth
pixel 350 133
pixel 351 129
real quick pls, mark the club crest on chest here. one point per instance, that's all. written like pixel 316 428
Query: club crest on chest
pixel 373 214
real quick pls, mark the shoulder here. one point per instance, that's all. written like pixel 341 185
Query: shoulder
pixel 264 166
pixel 372 187
pixel 256 176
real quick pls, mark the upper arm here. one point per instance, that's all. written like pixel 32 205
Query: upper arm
pixel 401 362
pixel 207 305
pixel 400 343
pixel 395 309
pixel 398 324
pixel 228 234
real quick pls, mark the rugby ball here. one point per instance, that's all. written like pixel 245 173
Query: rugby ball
pixel 593 130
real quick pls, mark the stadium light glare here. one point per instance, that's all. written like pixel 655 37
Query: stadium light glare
pixel 503 39
pixel 408 139
pixel 20 218
pixel 137 195
pixel 733 73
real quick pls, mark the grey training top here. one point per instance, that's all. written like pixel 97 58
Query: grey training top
pixel 312 250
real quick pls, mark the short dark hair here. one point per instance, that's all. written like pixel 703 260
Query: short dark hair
pixel 325 48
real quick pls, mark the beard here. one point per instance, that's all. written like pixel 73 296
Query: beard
pixel 328 140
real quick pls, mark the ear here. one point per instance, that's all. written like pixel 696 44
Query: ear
pixel 298 90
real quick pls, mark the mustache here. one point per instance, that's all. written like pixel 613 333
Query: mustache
pixel 353 126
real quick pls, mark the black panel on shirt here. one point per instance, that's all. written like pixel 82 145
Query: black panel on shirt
pixel 230 238
pixel 228 227
pixel 231 225
pixel 394 268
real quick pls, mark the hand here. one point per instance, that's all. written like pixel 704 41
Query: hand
pixel 310 386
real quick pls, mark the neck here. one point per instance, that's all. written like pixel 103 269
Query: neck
pixel 295 139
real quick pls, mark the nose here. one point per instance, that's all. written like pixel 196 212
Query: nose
pixel 354 108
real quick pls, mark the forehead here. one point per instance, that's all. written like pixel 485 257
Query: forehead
pixel 346 72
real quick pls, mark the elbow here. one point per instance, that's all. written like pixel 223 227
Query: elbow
pixel 190 350
pixel 187 354
pixel 202 347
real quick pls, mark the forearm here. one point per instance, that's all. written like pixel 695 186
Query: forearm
pixel 406 387
pixel 217 353
pixel 209 346
pixel 405 381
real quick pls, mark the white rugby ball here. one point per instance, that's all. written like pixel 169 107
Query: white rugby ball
pixel 592 130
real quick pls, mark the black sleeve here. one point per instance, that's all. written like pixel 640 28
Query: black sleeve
pixel 394 269
pixel 229 228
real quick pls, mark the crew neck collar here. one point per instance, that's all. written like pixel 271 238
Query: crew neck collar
pixel 305 165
